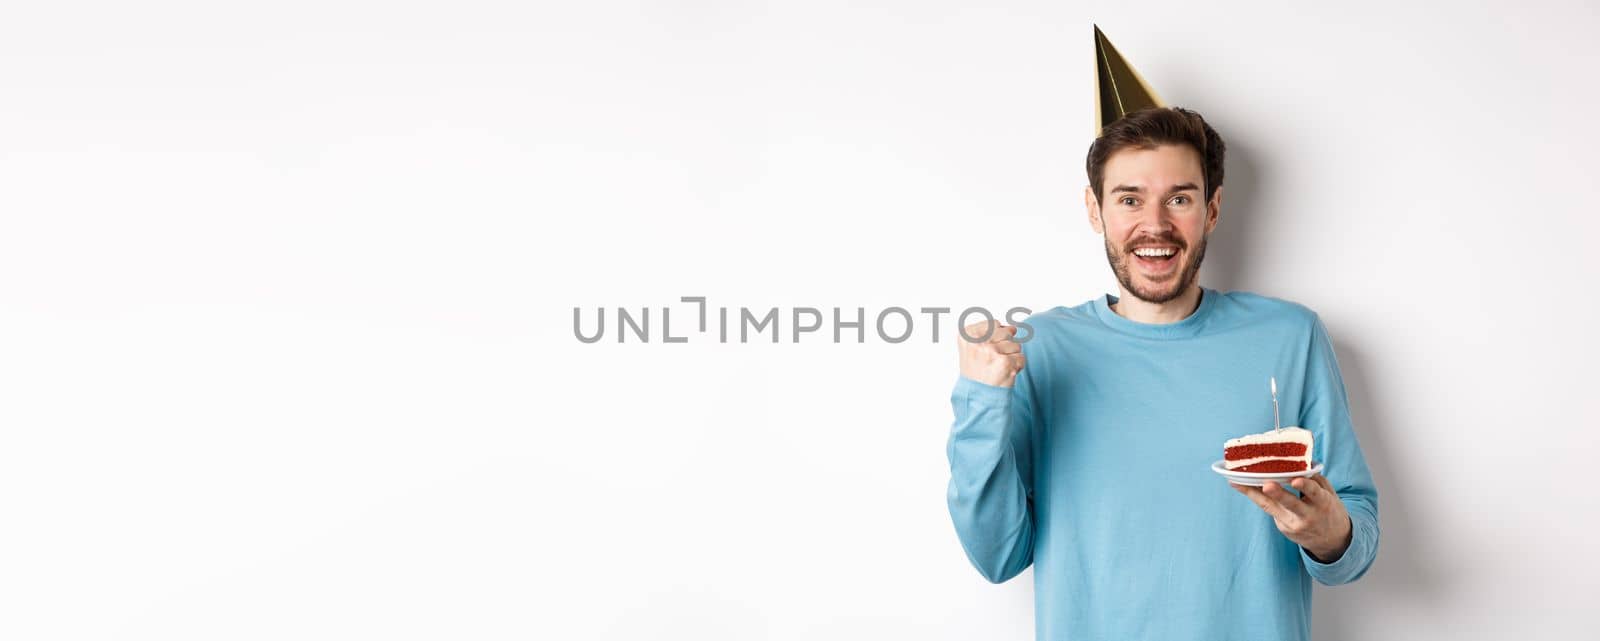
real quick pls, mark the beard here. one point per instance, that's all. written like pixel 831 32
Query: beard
pixel 1158 293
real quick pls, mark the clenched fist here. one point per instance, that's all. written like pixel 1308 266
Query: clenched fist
pixel 994 360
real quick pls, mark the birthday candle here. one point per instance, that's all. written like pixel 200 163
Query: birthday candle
pixel 1274 382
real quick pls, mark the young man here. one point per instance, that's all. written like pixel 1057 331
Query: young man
pixel 1085 448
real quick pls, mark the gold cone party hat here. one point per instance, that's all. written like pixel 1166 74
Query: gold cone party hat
pixel 1121 89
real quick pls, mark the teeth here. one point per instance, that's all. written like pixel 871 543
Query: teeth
pixel 1154 251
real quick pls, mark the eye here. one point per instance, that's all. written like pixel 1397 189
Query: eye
pixel 1128 201
pixel 1180 200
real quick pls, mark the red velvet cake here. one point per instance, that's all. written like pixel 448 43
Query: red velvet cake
pixel 1281 450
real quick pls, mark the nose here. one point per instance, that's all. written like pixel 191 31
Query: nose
pixel 1156 220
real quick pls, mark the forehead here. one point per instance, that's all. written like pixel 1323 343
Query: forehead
pixel 1158 168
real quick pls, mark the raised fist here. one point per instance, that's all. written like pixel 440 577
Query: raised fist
pixel 994 360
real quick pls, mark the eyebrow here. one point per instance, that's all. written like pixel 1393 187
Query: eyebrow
pixel 1139 190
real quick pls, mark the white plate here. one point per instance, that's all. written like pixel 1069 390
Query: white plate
pixel 1259 479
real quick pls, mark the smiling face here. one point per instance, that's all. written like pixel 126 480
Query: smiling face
pixel 1153 219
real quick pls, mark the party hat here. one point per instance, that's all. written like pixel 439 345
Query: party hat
pixel 1121 89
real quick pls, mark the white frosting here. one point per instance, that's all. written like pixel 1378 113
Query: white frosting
pixel 1280 435
pixel 1238 463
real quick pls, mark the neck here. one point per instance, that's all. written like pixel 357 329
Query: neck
pixel 1172 311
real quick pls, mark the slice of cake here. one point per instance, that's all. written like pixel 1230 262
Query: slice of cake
pixel 1285 449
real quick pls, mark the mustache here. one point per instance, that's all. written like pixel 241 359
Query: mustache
pixel 1155 240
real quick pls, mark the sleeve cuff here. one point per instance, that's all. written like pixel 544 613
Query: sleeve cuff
pixel 1350 565
pixel 976 393
pixel 1325 567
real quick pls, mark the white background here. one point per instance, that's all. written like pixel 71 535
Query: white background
pixel 286 303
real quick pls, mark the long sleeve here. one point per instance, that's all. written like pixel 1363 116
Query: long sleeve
pixel 991 462
pixel 1326 411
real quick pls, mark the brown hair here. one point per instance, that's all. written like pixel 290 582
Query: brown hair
pixel 1148 128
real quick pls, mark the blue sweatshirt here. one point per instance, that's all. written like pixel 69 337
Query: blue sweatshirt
pixel 1095 468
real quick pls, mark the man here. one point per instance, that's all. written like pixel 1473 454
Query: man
pixel 1083 447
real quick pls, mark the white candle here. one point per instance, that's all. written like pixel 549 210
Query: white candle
pixel 1274 382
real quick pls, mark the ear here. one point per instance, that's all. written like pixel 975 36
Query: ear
pixel 1214 209
pixel 1092 205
